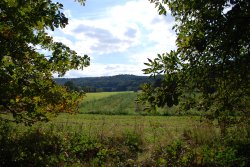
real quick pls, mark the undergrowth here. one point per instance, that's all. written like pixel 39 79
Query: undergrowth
pixel 200 146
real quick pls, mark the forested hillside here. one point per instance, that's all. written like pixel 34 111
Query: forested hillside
pixel 105 84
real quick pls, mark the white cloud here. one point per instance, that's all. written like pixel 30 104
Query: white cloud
pixel 67 13
pixel 134 25
pixel 104 70
pixel 101 37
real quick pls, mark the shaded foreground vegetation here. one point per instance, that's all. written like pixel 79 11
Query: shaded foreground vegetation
pixel 101 140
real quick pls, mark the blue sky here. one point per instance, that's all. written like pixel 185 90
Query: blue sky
pixel 118 36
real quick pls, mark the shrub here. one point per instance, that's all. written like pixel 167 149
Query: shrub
pixel 220 155
pixel 174 154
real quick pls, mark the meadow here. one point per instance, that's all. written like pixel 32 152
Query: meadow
pixel 111 131
pixel 109 103
pixel 99 95
pixel 153 128
pixel 123 103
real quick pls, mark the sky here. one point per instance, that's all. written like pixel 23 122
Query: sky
pixel 117 35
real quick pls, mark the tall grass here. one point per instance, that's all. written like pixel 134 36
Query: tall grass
pixel 85 140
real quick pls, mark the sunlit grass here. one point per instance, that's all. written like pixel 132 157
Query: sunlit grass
pixel 99 95
pixel 153 128
pixel 109 103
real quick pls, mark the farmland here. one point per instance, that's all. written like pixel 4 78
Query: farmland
pixel 115 112
pixel 109 103
pixel 151 127
pixel 119 138
pixel 124 103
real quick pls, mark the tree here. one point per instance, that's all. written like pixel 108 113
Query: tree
pixel 212 57
pixel 71 86
pixel 27 87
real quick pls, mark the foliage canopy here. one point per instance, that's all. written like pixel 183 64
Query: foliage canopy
pixel 212 57
pixel 27 89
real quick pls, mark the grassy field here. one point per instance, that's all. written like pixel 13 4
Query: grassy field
pixel 153 128
pixel 113 113
pixel 123 103
pixel 100 95
pixel 107 140
pixel 109 103
pixel 109 132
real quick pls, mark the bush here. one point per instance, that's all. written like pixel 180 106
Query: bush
pixel 174 154
pixel 220 155
pixel 35 146
pixel 41 147
pixel 30 148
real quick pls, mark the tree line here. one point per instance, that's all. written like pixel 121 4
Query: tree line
pixel 105 83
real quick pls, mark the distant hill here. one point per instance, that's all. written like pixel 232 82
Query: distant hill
pixel 105 84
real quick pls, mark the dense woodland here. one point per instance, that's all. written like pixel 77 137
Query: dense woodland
pixel 105 84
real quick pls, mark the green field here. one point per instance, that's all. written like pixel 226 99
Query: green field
pixel 109 103
pixel 124 103
pixel 99 95
pixel 113 113
pixel 109 131
pixel 151 127
pixel 108 140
